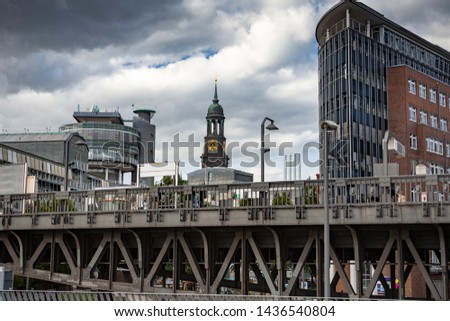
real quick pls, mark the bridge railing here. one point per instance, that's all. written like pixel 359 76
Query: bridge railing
pixel 294 194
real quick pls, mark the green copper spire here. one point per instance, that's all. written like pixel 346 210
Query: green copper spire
pixel 215 109
pixel 216 99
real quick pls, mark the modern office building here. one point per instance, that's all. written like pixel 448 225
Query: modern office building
pixel 147 132
pixel 115 148
pixel 360 50
pixel 142 123
pixel 51 162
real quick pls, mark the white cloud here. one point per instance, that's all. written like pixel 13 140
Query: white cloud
pixel 266 63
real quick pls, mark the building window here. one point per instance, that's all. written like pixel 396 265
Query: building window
pixel 433 121
pixel 412 86
pixel 423 117
pixel 434 146
pixel 412 113
pixel 442 99
pixel 443 124
pixel 433 95
pixel 423 91
pixel 436 169
pixel 447 147
pixel 430 144
pixel 413 141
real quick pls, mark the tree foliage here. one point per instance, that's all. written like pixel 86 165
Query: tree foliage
pixel 282 199
pixel 168 180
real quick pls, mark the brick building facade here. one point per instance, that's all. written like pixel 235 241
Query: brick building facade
pixel 418 117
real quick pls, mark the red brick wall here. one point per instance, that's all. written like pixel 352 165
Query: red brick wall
pixel 400 127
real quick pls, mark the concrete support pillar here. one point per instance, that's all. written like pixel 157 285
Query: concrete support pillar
pixel 319 266
pixel 400 270
pixel 347 18
pixel 353 276
pixel 244 264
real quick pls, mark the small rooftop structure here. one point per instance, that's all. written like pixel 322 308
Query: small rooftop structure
pixel 144 113
pixel 96 115
pixel 218 175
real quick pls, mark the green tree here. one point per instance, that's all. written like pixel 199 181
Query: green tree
pixel 244 202
pixel 281 199
pixel 168 180
pixel 311 194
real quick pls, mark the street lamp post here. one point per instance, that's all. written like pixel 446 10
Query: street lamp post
pixel 326 126
pixel 264 150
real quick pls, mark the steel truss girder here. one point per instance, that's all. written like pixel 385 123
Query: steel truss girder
pixel 190 242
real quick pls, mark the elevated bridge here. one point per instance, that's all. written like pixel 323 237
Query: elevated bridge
pixel 389 238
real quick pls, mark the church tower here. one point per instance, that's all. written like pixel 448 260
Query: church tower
pixel 214 149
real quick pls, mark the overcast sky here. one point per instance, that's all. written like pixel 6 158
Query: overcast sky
pixel 165 55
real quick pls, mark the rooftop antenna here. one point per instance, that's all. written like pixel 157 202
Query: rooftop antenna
pixel 78 108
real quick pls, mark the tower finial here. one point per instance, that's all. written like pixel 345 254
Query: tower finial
pixel 216 99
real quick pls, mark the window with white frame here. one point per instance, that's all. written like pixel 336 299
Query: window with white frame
pixel 443 124
pixel 423 117
pixel 447 148
pixel 433 95
pixel 436 169
pixel 442 99
pixel 413 141
pixel 434 146
pixel 412 86
pixel 412 113
pixel 423 91
pixel 430 144
pixel 433 121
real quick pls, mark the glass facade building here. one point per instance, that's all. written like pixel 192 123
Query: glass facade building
pixel 108 142
pixel 113 146
pixel 357 45
pixel 56 162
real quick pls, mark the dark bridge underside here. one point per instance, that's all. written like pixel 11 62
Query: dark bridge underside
pixel 281 260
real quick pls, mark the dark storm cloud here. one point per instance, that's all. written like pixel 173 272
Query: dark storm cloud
pixel 49 45
pixel 53 44
pixel 67 25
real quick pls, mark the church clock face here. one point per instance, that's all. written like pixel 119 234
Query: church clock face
pixel 212 146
